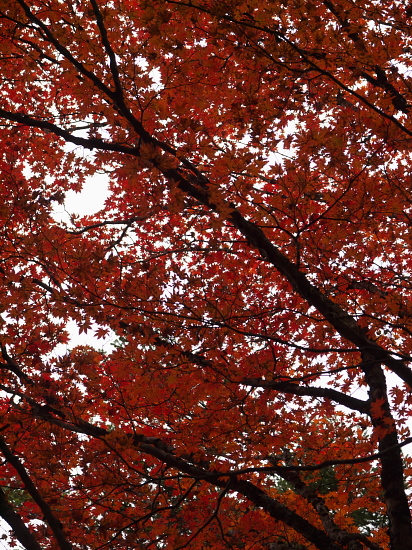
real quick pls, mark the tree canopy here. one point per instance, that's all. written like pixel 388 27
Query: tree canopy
pixel 252 264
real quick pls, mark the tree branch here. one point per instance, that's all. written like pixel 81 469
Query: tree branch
pixel 50 518
pixel 109 50
pixel 12 366
pixel 21 531
pixel 295 389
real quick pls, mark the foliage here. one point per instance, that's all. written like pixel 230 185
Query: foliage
pixel 252 264
pixel 368 520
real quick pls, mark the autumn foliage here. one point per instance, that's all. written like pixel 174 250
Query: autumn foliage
pixel 252 268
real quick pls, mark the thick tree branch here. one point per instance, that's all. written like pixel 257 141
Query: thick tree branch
pixel 12 366
pixel 325 393
pixel 49 517
pixel 392 468
pixel 288 387
pixel 109 50
pixel 21 531
pixel 274 508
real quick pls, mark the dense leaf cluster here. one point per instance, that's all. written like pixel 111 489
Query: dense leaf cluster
pixel 252 265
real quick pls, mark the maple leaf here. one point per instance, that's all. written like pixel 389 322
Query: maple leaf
pixel 377 408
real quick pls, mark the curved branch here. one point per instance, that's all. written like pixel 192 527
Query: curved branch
pixel 12 366
pixel 109 50
pixel 54 523
pixel 295 389
pixel 97 225
pixel 21 531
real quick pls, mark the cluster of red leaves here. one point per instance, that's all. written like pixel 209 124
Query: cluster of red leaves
pixel 252 262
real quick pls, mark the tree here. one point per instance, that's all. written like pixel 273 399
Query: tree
pixel 253 260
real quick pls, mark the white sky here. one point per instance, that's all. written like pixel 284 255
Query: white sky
pixel 89 201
